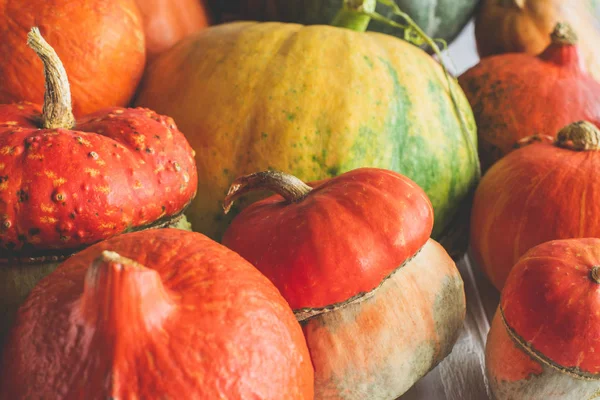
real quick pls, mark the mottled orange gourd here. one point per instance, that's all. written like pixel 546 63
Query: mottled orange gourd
pixel 353 258
pixel 544 191
pixel 517 95
pixel 543 344
pixel 156 314
pixel 101 43
pixel 168 21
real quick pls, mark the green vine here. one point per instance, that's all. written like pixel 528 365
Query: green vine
pixel 415 35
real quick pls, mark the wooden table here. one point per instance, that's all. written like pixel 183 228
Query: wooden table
pixel 461 376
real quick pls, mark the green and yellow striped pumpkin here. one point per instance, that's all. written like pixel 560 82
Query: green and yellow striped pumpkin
pixel 313 101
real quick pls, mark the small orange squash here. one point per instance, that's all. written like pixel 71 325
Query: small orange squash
pixel 543 344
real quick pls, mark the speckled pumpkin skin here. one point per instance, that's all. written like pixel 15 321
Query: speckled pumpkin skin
pixel 314 102
pixel 379 348
pixel 442 19
pixel 195 321
pixel 62 190
pixel 100 42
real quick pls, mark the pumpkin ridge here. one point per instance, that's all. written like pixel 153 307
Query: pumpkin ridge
pixel 307 313
pixel 531 351
pixel 522 223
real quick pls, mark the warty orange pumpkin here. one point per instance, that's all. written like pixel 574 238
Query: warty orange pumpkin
pixel 67 183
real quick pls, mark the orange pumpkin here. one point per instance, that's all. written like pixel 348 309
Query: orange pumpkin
pixel 168 21
pixel 380 303
pixel 154 315
pixel 505 26
pixel 101 44
pixel 544 338
pixel 544 191
pixel 518 95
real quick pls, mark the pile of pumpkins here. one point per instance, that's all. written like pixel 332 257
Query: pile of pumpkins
pixel 331 175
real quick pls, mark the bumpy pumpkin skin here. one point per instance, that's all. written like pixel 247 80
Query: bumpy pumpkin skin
pixel 168 21
pixel 549 304
pixel 195 318
pixel 503 26
pixel 101 43
pixel 438 18
pixel 62 190
pixel 379 348
pixel 510 101
pixel 533 195
pixel 314 102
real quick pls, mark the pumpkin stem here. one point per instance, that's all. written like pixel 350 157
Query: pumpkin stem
pixel 563 34
pixel 287 186
pixel 352 15
pixel 57 111
pixel 120 293
pixel 578 136
pixel 595 274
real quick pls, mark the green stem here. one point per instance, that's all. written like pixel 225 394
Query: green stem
pixel 353 15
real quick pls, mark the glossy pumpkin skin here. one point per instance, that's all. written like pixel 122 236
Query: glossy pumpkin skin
pixel 105 60
pixel 168 21
pixel 62 190
pixel 194 318
pixel 361 290
pixel 524 25
pixel 549 303
pixel 314 102
pixel 533 195
pixel 442 19
pixel 510 100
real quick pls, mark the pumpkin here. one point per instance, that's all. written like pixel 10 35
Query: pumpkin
pixel 156 314
pixel 380 303
pixel 101 43
pixel 314 101
pixel 541 192
pixel 167 21
pixel 544 336
pixel 442 19
pixel 518 95
pixel 506 26
pixel 66 184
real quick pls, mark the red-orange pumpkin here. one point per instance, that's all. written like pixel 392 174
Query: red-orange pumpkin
pixel 153 315
pixel 543 344
pixel 168 21
pixel 101 43
pixel 517 95
pixel 67 184
pixel 541 192
pixel 380 304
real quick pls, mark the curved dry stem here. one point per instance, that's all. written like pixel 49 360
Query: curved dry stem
pixel 57 111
